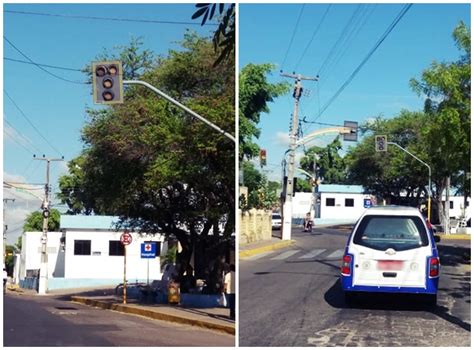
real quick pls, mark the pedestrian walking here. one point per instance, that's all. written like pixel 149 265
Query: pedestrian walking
pixel 229 290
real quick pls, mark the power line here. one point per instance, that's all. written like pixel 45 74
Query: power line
pixel 364 61
pixel 109 18
pixel 16 141
pixel 292 36
pixel 312 37
pixel 29 121
pixel 42 64
pixel 20 136
pixel 44 70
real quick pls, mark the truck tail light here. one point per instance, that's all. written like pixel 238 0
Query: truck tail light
pixel 434 267
pixel 346 265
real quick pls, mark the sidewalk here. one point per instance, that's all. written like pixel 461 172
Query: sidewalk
pixel 211 318
pixel 259 247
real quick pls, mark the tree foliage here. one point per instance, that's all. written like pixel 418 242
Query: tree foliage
pixel 262 194
pixel 255 92
pixel 159 169
pixel 331 166
pixel 224 36
pixel 34 221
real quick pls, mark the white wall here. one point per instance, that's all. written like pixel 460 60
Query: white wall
pixel 100 265
pixel 340 211
pixel 302 204
pixel 30 257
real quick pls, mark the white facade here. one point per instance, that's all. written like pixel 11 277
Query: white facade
pixel 88 252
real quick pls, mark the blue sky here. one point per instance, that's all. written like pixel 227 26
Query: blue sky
pixel 381 87
pixel 55 107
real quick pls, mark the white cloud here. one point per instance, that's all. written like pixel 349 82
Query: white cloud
pixel 282 139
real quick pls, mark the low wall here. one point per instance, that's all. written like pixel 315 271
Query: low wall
pixel 255 226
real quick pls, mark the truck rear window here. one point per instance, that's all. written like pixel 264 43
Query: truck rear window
pixel 397 232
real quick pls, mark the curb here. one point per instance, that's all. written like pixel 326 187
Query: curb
pixel 153 314
pixel 266 248
pixel 454 236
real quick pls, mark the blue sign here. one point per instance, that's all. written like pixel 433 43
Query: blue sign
pixel 367 202
pixel 148 250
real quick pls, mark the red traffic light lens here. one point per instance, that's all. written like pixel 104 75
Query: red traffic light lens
pixel 107 83
pixel 108 96
pixel 113 70
pixel 100 71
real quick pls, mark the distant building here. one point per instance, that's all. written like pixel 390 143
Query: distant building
pixel 87 252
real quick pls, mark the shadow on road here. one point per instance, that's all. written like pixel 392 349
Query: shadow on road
pixel 334 296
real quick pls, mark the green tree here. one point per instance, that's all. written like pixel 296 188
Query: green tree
pixel 224 36
pixel 255 92
pixel 262 194
pixel 393 175
pixel 158 168
pixel 332 168
pixel 34 221
pixel 447 88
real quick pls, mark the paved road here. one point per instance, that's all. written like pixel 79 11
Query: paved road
pixel 49 321
pixel 292 297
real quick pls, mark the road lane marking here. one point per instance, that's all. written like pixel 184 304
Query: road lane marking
pixel 258 256
pixel 285 255
pixel 312 254
pixel 337 254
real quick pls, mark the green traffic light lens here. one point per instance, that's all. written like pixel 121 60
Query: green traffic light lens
pixel 108 96
pixel 107 83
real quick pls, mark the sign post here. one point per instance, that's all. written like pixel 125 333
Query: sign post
pixel 125 239
pixel 148 251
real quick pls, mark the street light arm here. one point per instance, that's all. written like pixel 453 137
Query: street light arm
pixel 337 129
pixel 180 105
pixel 411 154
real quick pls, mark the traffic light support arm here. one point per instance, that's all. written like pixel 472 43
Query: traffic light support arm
pixel 340 130
pixel 429 174
pixel 172 100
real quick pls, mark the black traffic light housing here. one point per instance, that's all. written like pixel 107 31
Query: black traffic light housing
pixel 107 81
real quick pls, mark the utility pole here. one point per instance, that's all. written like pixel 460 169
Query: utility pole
pixel 288 205
pixel 5 227
pixel 43 278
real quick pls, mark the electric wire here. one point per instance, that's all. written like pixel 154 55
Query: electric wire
pixel 312 37
pixel 339 40
pixel 42 64
pixel 292 36
pixel 109 18
pixel 12 137
pixel 40 67
pixel 367 57
pixel 21 137
pixel 29 121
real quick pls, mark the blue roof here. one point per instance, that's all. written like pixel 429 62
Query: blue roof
pixel 97 222
pixel 341 188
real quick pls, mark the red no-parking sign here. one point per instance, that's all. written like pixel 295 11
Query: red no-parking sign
pixel 126 238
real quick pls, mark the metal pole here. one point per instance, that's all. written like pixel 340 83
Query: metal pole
pixel 429 175
pixel 180 105
pixel 125 274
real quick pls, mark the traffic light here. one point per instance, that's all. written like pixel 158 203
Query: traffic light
pixel 381 143
pixel 107 82
pixel 263 157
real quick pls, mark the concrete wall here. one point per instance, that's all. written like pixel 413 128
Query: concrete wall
pixel 255 226
pixel 100 265
pixel 30 257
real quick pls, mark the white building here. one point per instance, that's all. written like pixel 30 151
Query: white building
pixel 88 252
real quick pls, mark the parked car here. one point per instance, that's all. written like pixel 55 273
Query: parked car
pixel 391 249
pixel 276 221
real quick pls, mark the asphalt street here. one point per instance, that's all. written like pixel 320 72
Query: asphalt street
pixel 292 297
pixel 32 320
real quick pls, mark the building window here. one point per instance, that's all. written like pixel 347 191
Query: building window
pixel 82 247
pixel 116 248
pixel 451 205
pixel 349 202
pixel 330 202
